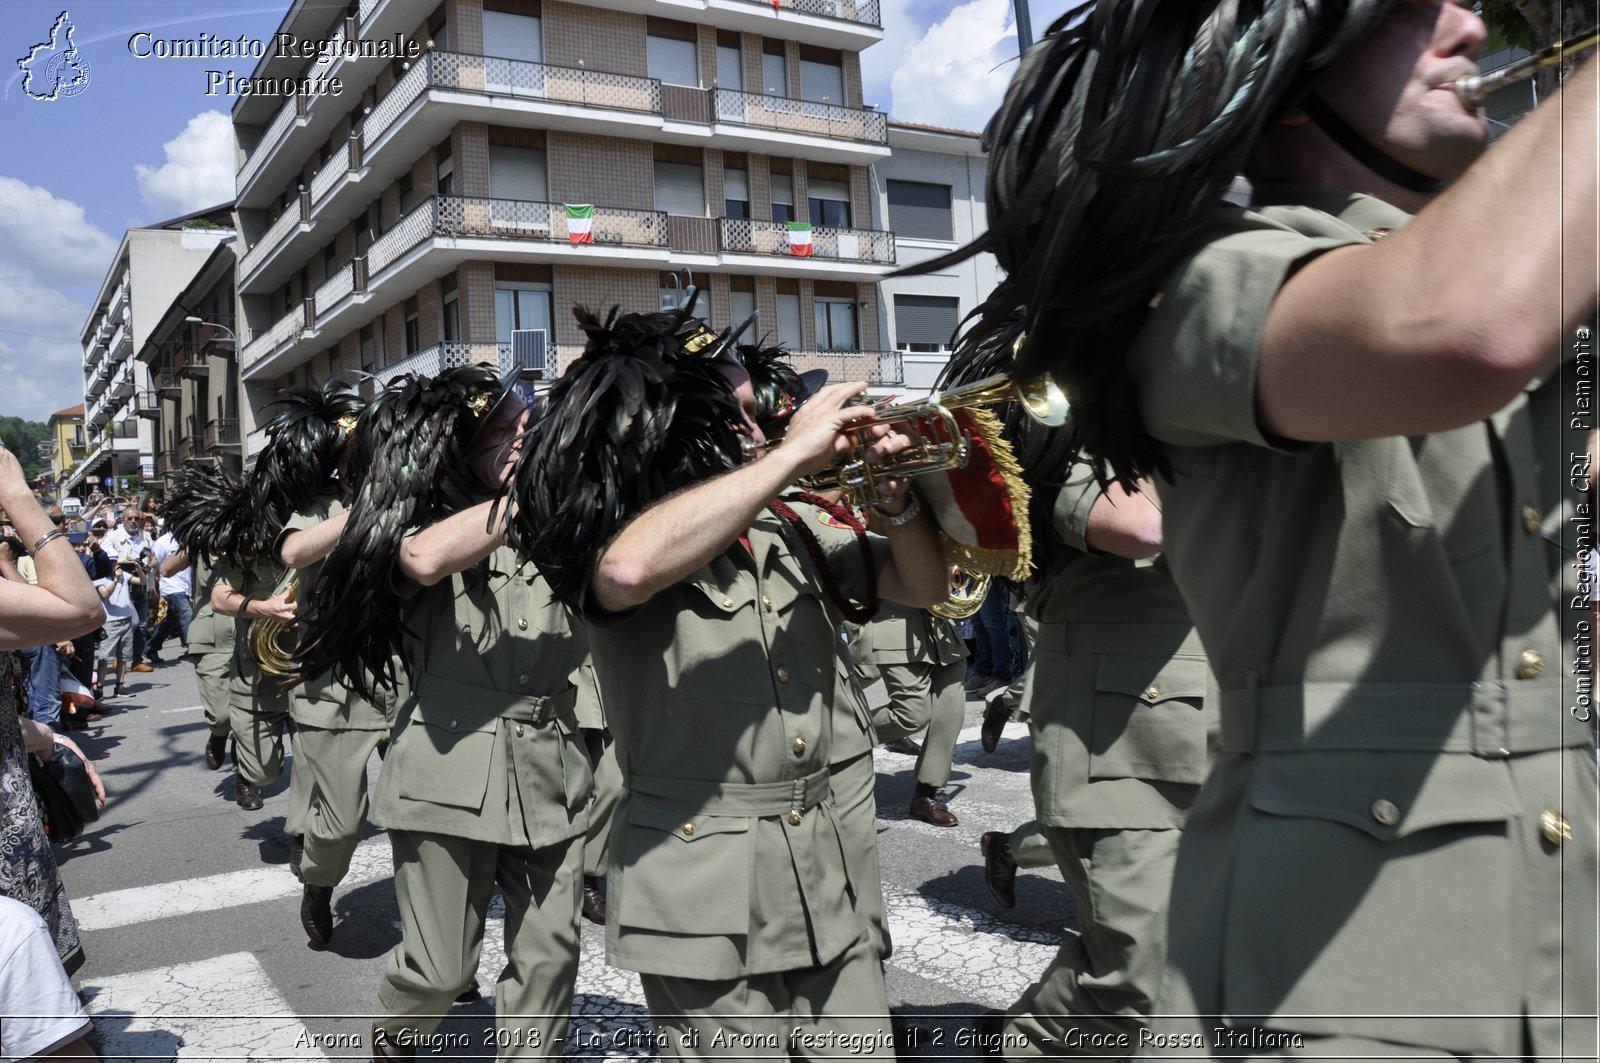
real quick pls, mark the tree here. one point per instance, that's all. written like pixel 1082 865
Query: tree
pixel 1535 24
pixel 22 438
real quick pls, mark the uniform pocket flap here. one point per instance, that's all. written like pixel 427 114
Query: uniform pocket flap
pixel 682 872
pixel 686 826
pixel 445 755
pixel 454 717
pixel 1387 794
pixel 721 599
pixel 1152 679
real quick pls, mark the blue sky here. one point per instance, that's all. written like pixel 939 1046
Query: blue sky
pixel 143 142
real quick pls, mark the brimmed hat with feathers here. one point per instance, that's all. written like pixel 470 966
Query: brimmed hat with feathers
pixel 212 515
pixel 301 455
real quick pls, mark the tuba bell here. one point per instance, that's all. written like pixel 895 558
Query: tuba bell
pixel 273 641
pixel 967 592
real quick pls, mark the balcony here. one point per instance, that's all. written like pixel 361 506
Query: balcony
pixel 147 405
pixel 430 361
pixel 117 310
pixel 190 446
pixel 168 384
pixel 121 343
pixel 852 24
pixel 788 117
pixel 223 432
pixel 770 239
pixel 122 383
pixel 191 365
pixel 882 368
pixel 166 463
pixel 286 330
pixel 291 220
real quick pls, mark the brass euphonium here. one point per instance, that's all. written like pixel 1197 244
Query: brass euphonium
pixel 273 641
pixel 967 592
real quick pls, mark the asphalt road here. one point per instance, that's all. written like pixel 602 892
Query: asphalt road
pixel 190 915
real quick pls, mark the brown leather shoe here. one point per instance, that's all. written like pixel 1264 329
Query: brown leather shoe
pixel 594 899
pixel 246 796
pixel 142 667
pixel 999 868
pixel 995 718
pixel 907 746
pixel 316 914
pixel 929 809
pixel 216 749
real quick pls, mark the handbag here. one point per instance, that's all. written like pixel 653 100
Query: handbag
pixel 66 797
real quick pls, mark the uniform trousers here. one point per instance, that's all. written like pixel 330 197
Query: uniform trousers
pixel 756 1016
pixel 602 805
pixel 259 713
pixel 1030 847
pixel 1102 982
pixel 923 695
pixel 443 884
pixel 211 674
pixel 328 797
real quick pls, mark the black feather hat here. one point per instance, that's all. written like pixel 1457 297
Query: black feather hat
pixel 779 388
pixel 212 515
pixel 643 412
pixel 302 451
pixel 411 451
pixel 1119 133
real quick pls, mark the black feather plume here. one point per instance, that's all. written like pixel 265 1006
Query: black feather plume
pixel 409 451
pixel 212 515
pixel 301 453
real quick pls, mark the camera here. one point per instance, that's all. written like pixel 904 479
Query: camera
pixel 17 549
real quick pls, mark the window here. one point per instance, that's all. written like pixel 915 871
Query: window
pixel 741 304
pixel 368 350
pixel 407 189
pixel 730 65
pixel 669 49
pixel 829 203
pixel 836 324
pixel 413 327
pixel 920 210
pixel 774 69
pixel 681 188
pixel 925 323
pixel 330 260
pixel 782 197
pixel 446 179
pixel 518 173
pixel 821 75
pixel 735 194
pixel 520 305
pixel 789 336
pixel 508 36
pixel 450 317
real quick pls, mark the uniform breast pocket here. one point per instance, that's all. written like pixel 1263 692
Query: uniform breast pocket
pixel 683 872
pixel 1149 720
pixel 445 756
pixel 1341 855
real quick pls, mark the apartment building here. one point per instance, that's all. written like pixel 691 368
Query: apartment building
pixel 538 154
pixel 192 402
pixel 930 193
pixel 68 444
pixel 151 266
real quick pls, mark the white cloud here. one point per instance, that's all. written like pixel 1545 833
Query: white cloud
pixel 955 73
pixel 31 219
pixel 199 171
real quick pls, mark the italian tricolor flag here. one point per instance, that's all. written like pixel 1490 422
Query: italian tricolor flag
pixel 800 238
pixel 580 223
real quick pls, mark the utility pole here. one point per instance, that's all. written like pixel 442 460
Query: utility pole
pixel 1024 25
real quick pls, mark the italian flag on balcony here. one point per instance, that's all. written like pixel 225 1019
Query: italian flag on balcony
pixel 580 223
pixel 800 238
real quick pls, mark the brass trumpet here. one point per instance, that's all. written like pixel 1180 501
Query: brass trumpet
pixel 273 651
pixel 1041 398
pixel 1475 88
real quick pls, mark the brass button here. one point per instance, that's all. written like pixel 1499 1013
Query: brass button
pixel 727 603
pixel 519 730
pixel 452 725
pixel 522 680
pixel 1385 812
pixel 799 746
pixel 795 815
pixel 1532 519
pixel 783 674
pixel 1152 692
pixel 766 602
pixel 1554 827
pixel 522 623
pixel 688 830
pixel 1529 664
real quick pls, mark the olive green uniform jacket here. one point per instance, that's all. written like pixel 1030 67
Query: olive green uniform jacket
pixel 1388 620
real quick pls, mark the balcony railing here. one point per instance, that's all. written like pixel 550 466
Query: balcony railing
pixel 885 368
pixel 191 364
pixel 167 381
pixel 283 330
pixel 394 103
pixel 222 432
pixel 337 166
pixel 785 115
pixel 541 81
pixel 269 140
pixel 862 11
pixel 119 302
pixel 335 289
pixel 145 404
pixel 190 446
pixel 120 339
pixel 527 220
pixel 753 236
pixel 430 361
pixel 291 217
pixel 408 232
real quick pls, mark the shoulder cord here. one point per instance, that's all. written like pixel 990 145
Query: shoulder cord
pixel 856 614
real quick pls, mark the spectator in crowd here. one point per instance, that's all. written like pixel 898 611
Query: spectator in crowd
pixel 43 663
pixel 129 539
pixel 116 651
pixel 43 1017
pixel 176 577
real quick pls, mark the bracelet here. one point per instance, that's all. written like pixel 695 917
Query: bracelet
pixel 905 516
pixel 45 539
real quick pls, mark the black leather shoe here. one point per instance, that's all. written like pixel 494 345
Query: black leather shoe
pixel 594 899
pixel 216 749
pixel 929 809
pixel 995 717
pixel 248 797
pixel 907 746
pixel 297 855
pixel 999 868
pixel 316 914
pixel 470 995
